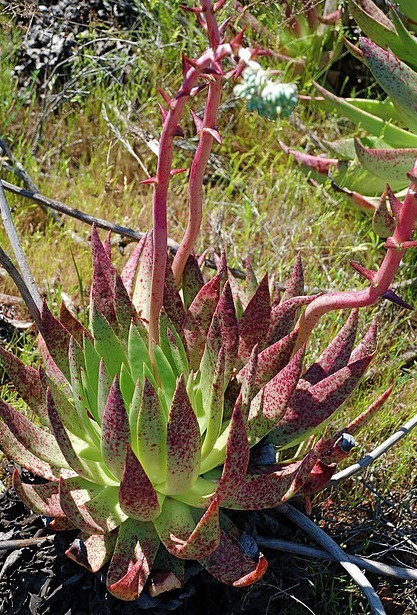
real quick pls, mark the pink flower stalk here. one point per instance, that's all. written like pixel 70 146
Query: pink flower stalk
pixel 380 280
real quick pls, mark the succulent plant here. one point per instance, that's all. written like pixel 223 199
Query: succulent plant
pixel 144 421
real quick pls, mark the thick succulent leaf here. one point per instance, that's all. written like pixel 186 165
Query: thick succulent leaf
pixel 13 449
pixel 248 389
pixel 318 478
pixel 335 356
pixel 367 344
pixel 228 564
pixel 167 573
pixel 295 285
pixel 129 272
pixel 142 288
pixel 56 338
pixel 93 551
pixel 137 496
pixel 192 280
pixel 382 31
pixel 389 164
pixel 282 317
pixel 271 360
pixel 173 304
pixel 393 135
pixel 198 318
pixel 90 507
pixel 270 404
pixel 229 329
pixel 309 408
pixel 102 288
pixel 103 389
pixel 172 346
pixel 251 281
pixel 108 344
pixel 183 443
pixel 306 466
pixel 124 308
pixel 237 458
pixel 82 403
pixel 138 352
pixel 136 548
pixel 397 79
pixel 254 324
pixel 180 534
pixel 115 431
pixel 26 381
pixel 166 373
pixel 151 445
pixel 90 470
pixel 212 407
pixel 37 441
pixel 42 499
pixel 72 325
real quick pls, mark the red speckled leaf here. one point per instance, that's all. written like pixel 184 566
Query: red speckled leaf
pixel 102 288
pixel 173 305
pixel 229 329
pixel 367 345
pixel 137 496
pixel 42 499
pixel 213 404
pixel 56 338
pixel 73 326
pixel 307 465
pixel 51 368
pixel 309 408
pixel 282 317
pixel 130 269
pixel 92 508
pixel 135 551
pixel 251 281
pixel 142 287
pixel 228 564
pixel 13 449
pixel 335 356
pixel 167 573
pixel 295 284
pixel 198 318
pixel 26 381
pixel 192 280
pixel 259 491
pixel 317 163
pixel 94 551
pixel 318 478
pixel 37 441
pixel 271 360
pixel 183 442
pixel 254 324
pixel 237 458
pixel 125 310
pixel 151 427
pixel 115 430
pixel 180 534
pixel 270 404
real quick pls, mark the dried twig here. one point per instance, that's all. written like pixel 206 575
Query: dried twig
pixel 330 545
pixel 13 545
pixel 363 562
pixel 373 455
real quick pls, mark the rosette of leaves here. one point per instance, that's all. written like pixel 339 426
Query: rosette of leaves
pixel 144 451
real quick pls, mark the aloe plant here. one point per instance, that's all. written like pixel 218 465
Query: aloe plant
pixel 362 167
pixel 145 419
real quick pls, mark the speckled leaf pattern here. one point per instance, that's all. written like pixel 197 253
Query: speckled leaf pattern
pixel 306 466
pixel 282 317
pixel 295 284
pixel 183 443
pixel 92 551
pixel 26 381
pixel 213 405
pixel 115 431
pixel 135 551
pixel 389 164
pixel 151 446
pixel 192 281
pixel 43 498
pixel 229 328
pixel 141 291
pixel 56 339
pixel 92 508
pixel 13 449
pixel 182 536
pixel 237 458
pixel 311 407
pixel 137 496
pixel 229 565
pixel 254 324
pixel 198 318
pixel 318 478
pixel 270 403
pixel 130 270
pixel 172 300
pixel 36 440
pixel 73 326
pixel 367 344
pixel 335 356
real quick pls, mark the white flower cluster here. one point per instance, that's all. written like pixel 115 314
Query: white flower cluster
pixel 269 98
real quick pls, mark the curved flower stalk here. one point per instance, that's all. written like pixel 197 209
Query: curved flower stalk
pixel 146 420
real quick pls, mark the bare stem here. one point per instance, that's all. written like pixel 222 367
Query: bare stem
pixel 383 277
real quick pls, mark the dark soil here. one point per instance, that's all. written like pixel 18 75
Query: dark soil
pixel 40 580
